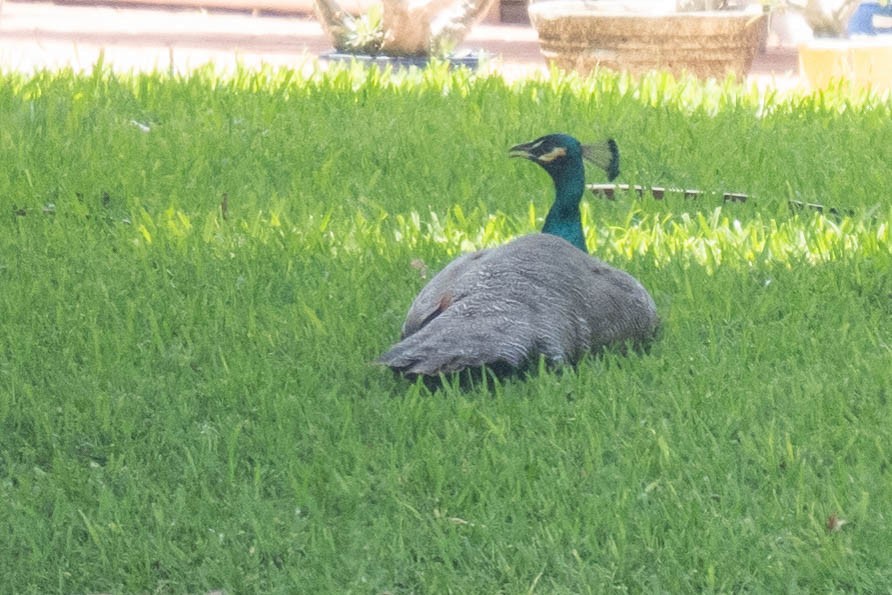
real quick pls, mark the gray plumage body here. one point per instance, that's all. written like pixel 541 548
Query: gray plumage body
pixel 535 296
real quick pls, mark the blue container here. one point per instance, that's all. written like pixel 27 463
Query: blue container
pixel 862 21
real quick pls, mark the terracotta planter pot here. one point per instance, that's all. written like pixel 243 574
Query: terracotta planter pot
pixel 579 36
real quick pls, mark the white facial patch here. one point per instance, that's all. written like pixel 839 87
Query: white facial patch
pixel 552 154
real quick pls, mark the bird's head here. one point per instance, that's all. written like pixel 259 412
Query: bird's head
pixel 558 153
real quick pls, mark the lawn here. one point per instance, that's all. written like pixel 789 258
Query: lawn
pixel 197 271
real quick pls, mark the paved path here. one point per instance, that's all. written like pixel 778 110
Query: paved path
pixel 37 35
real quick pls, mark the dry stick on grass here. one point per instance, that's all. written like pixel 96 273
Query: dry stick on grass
pixel 609 191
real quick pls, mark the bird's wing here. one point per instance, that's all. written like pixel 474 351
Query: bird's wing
pixel 483 308
pixel 440 293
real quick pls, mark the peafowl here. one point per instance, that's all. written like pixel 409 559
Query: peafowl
pixel 540 295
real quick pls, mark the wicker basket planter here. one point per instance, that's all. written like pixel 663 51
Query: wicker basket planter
pixel 578 35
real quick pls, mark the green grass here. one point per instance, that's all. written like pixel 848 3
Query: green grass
pixel 187 403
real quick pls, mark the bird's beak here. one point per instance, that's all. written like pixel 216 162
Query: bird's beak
pixel 523 150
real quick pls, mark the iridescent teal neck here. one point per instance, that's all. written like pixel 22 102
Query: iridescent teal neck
pixel 564 220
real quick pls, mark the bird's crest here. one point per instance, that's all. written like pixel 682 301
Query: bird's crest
pixel 604 154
